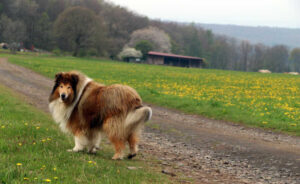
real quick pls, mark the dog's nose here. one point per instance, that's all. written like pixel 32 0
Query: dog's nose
pixel 63 96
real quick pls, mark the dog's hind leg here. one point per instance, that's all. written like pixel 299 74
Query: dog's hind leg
pixel 134 122
pixel 115 131
pixel 119 147
pixel 133 146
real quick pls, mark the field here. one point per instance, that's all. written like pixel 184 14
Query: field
pixel 33 150
pixel 270 101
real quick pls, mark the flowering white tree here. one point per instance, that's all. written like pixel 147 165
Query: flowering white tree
pixel 128 52
pixel 160 40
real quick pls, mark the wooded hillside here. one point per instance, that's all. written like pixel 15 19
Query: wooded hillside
pixel 98 28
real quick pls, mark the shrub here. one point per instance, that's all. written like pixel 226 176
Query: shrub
pixel 57 52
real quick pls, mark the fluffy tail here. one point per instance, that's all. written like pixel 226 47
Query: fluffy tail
pixel 140 115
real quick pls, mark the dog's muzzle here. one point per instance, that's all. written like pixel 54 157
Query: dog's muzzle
pixel 63 96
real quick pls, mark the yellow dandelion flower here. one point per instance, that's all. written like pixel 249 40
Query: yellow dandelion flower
pixel 43 140
pixel 90 162
pixel 2 126
pixel 25 178
pixel 20 144
pixel 264 122
pixel 26 124
pixel 19 164
pixel 34 143
pixel 55 177
pixel 54 169
pixel 293 124
pixel 48 139
pixel 47 180
pixel 37 127
pixel 35 178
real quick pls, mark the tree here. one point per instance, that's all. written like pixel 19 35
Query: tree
pixel 144 46
pixel 192 40
pixel 14 34
pixel 54 8
pixel 128 53
pixel 246 49
pixel 158 38
pixel 43 33
pixel 1 8
pixel 4 21
pixel 220 54
pixel 233 58
pixel 120 23
pixel 26 11
pixel 295 59
pixel 78 29
pixel 259 57
pixel 90 4
pixel 277 58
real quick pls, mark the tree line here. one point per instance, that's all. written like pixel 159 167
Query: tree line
pixel 98 28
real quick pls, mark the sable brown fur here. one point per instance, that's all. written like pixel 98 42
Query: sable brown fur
pixel 116 110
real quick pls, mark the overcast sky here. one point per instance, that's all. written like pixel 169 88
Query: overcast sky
pixel 275 13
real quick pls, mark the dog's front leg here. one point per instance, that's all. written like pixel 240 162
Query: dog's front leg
pixel 95 143
pixel 80 144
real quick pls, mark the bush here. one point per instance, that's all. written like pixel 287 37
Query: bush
pixel 82 53
pixel 92 52
pixel 57 52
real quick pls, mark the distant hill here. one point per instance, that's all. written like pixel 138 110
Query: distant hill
pixel 266 35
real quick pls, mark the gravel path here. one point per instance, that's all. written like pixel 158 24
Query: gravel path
pixel 191 148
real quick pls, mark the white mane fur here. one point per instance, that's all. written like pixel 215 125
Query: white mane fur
pixel 60 112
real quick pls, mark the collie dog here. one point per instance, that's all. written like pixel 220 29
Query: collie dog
pixel 87 109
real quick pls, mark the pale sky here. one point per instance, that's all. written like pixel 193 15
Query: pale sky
pixel 275 13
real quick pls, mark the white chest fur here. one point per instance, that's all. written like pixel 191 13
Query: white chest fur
pixel 60 113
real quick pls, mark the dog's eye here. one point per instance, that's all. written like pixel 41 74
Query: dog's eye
pixel 61 86
pixel 69 87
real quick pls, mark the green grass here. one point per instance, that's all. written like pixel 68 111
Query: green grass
pixel 30 138
pixel 270 101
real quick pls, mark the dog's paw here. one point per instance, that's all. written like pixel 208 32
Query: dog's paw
pixel 69 150
pixel 93 151
pixel 97 148
pixel 117 157
pixel 130 156
pixel 73 150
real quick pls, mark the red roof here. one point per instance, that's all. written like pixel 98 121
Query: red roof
pixel 172 55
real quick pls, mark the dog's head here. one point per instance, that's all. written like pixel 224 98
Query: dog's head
pixel 64 87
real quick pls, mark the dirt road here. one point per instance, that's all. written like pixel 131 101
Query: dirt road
pixel 195 149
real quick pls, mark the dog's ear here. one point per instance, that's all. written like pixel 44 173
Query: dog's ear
pixel 58 76
pixel 74 79
pixel 74 82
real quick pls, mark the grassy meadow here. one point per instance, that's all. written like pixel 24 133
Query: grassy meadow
pixel 265 100
pixel 33 150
